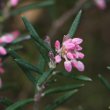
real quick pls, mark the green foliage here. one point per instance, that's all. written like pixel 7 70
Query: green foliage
pixel 19 104
pixel 75 24
pixel 41 45
pixel 27 72
pixel 21 39
pixel 41 64
pixel 61 100
pixel 62 88
pixel 36 5
pixel 35 35
pixel 108 67
pixel 28 66
pixel 75 76
pixel 41 80
pixel 104 81
pixel 44 77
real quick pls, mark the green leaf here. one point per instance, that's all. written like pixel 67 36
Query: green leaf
pixel 26 71
pixel 19 104
pixel 5 101
pixel 104 81
pixel 31 6
pixel 59 101
pixel 41 63
pixel 28 66
pixel 35 35
pixel 63 88
pixel 108 67
pixel 29 75
pixel 75 24
pixel 21 39
pixel 44 77
pixel 75 76
pixel 82 77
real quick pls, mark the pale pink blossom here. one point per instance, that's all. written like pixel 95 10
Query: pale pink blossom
pixel 101 4
pixel 14 2
pixel 9 37
pixel 57 58
pixel 2 51
pixel 6 39
pixel 57 45
pixel 78 64
pixel 68 66
pixel 70 52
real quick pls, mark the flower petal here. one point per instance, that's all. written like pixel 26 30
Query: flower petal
pixel 70 55
pixel 68 66
pixel 78 55
pixel 77 40
pixel 8 38
pixel 79 65
pixel 57 58
pixel 2 51
pixel 69 46
pixel 57 45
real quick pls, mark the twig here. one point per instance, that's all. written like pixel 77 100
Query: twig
pixel 56 25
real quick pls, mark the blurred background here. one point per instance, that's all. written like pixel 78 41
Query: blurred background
pixel 94 28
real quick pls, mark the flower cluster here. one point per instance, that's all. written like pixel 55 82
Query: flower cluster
pixel 6 39
pixel 70 52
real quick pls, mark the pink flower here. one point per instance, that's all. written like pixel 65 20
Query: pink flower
pixel 57 45
pixel 70 52
pixel 57 58
pixel 9 37
pixel 2 51
pixel 78 64
pixel 100 3
pixel 14 2
pixel 68 66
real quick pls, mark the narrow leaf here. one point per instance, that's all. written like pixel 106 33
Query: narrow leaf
pixel 75 24
pixel 34 34
pixel 31 6
pixel 41 63
pixel 104 81
pixel 28 66
pixel 108 67
pixel 59 101
pixel 26 71
pixel 19 104
pixel 64 88
pixel 44 77
pixel 82 77
pixel 29 75
pixel 75 76
pixel 5 101
pixel 21 39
